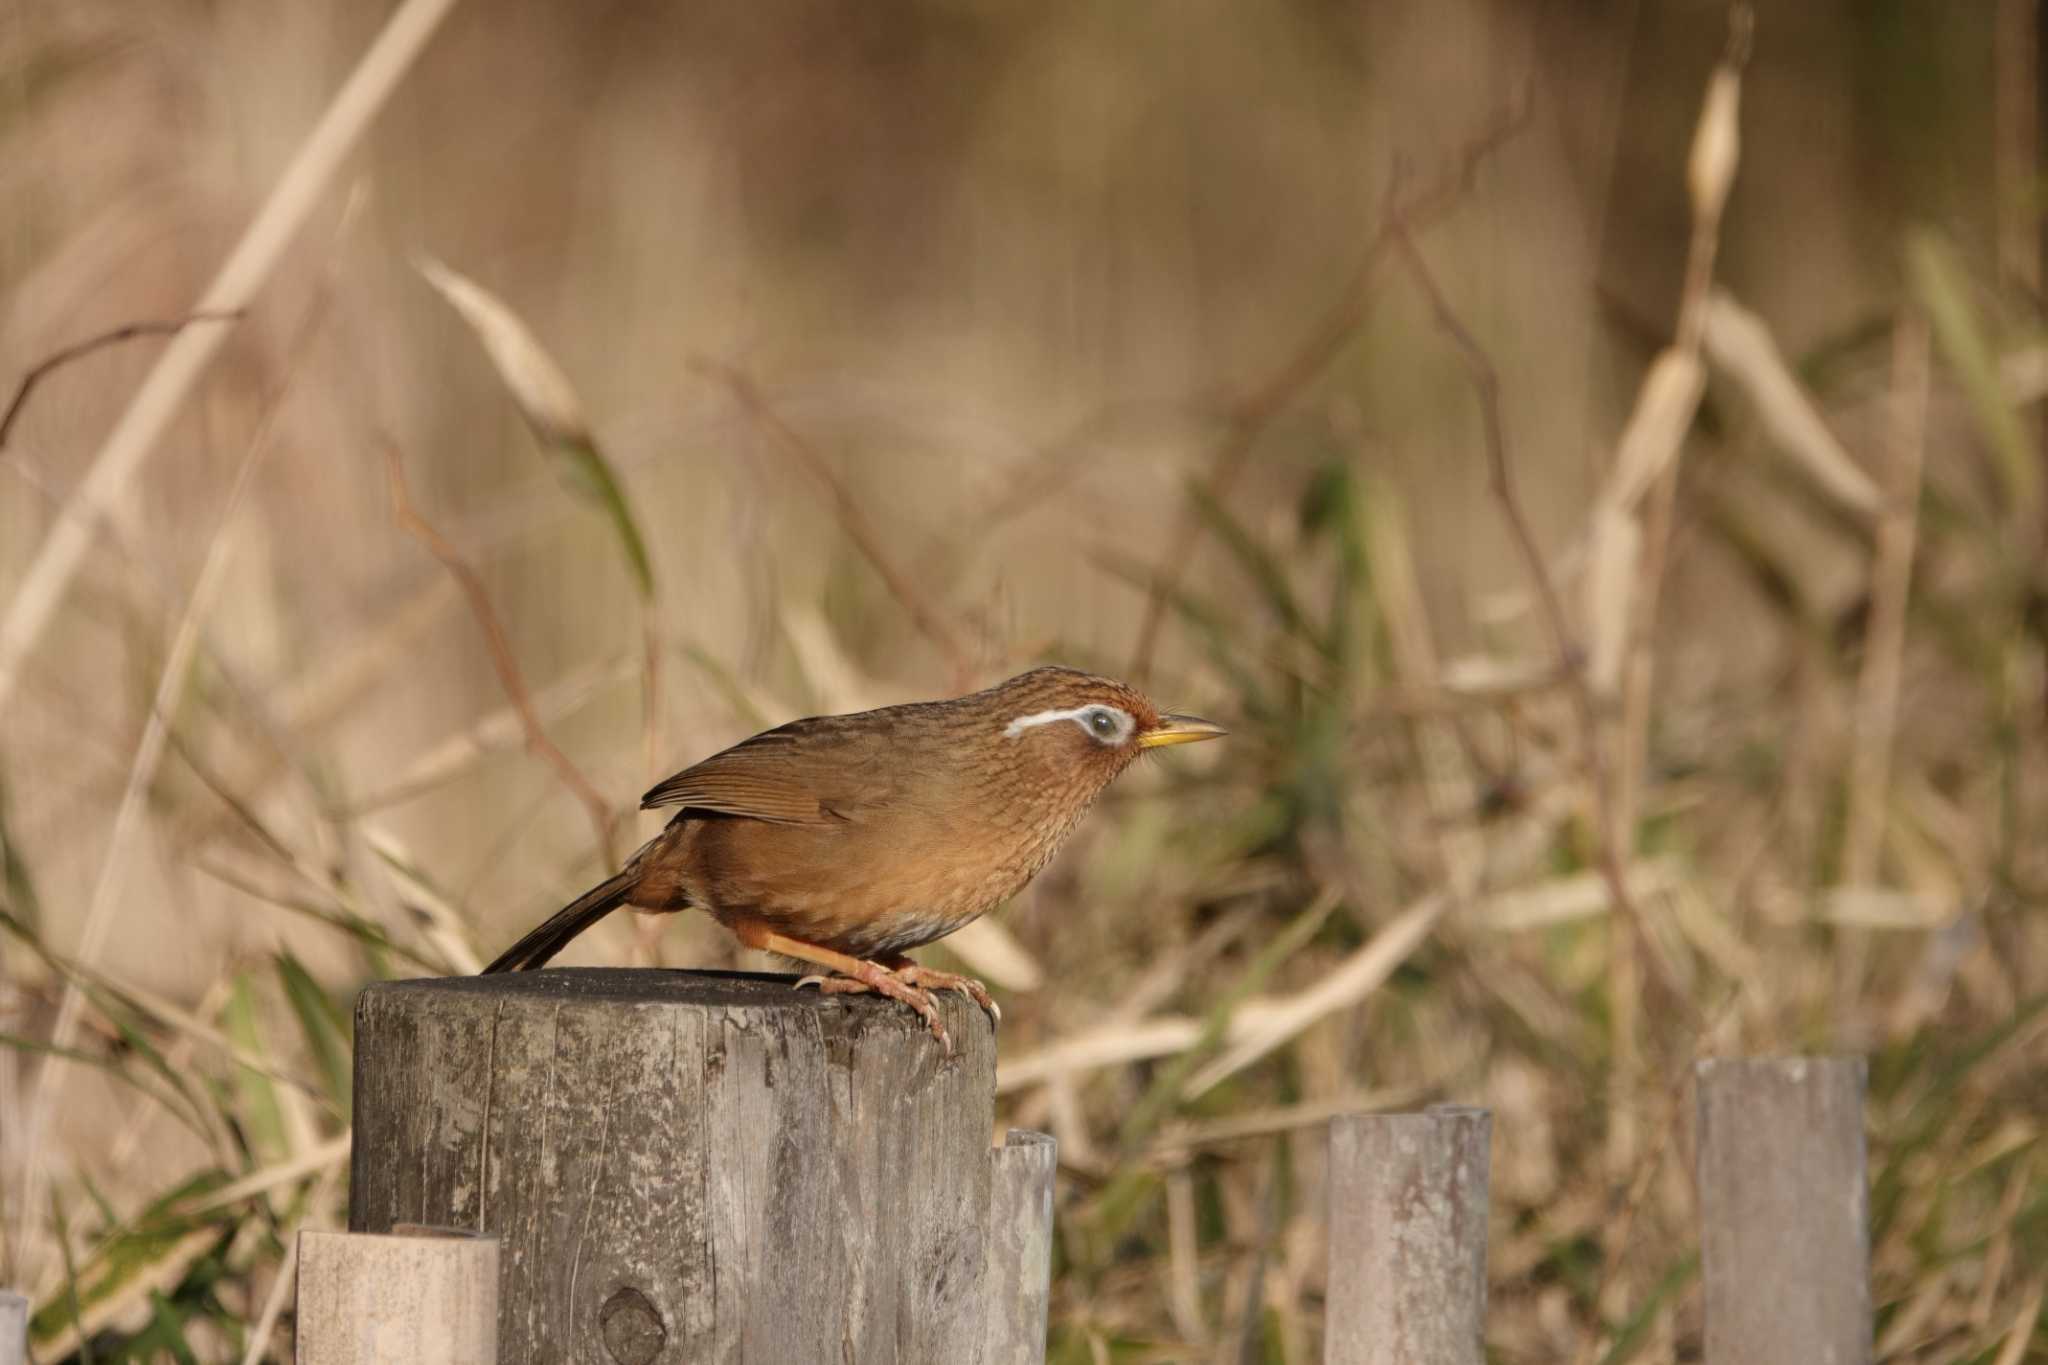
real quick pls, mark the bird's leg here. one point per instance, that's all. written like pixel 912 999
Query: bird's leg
pixel 855 975
pixel 932 979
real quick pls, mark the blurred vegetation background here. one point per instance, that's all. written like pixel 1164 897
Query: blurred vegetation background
pixel 913 344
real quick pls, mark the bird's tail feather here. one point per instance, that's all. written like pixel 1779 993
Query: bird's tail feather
pixel 566 923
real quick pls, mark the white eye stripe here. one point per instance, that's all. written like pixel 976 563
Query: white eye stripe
pixel 1118 731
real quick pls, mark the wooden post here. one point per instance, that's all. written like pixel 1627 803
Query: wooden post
pixel 1407 1276
pixel 687 1166
pixel 1018 1280
pixel 13 1328
pixel 1784 1211
pixel 413 1300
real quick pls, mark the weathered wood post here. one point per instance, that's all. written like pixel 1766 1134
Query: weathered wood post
pixel 1019 1265
pixel 1784 1211
pixel 399 1300
pixel 686 1166
pixel 1408 1210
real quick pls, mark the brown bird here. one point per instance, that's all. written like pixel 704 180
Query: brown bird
pixel 843 841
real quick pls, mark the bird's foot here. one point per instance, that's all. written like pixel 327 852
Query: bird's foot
pixel 932 979
pixel 874 978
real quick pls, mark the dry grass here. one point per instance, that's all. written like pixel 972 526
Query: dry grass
pixel 1604 693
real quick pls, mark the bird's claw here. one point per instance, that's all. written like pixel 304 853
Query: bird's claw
pixel 885 982
pixel 932 979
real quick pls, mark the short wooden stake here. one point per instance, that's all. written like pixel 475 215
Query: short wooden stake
pixel 687 1166
pixel 1407 1275
pixel 1784 1211
pixel 13 1328
pixel 418 1300
pixel 1018 1275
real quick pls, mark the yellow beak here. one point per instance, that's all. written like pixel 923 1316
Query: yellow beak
pixel 1180 730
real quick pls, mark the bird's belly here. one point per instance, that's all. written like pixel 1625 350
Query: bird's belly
pixel 895 934
pixel 862 895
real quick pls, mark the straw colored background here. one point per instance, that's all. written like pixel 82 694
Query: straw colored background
pixel 927 342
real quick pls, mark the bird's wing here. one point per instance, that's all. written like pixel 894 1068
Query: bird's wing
pixel 803 773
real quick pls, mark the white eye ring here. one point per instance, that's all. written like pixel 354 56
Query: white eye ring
pixel 1106 725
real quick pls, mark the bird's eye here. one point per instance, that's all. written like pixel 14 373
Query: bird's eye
pixel 1101 724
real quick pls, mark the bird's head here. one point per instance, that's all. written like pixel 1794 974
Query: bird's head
pixel 1086 724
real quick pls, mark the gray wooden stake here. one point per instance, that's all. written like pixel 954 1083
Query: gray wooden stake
pixel 13 1328
pixel 366 1300
pixel 687 1165
pixel 1018 1277
pixel 1407 1275
pixel 1784 1211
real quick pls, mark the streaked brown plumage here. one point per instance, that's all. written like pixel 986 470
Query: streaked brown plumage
pixel 843 841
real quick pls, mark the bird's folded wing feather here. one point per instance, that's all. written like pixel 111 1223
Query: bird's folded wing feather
pixel 793 775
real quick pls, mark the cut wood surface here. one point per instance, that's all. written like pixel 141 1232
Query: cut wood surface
pixel 687 1166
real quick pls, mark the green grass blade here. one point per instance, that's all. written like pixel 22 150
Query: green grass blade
pixel 587 473
pixel 256 1102
pixel 1941 285
pixel 1260 565
pixel 15 882
pixel 324 1026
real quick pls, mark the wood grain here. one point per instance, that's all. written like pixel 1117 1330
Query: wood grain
pixel 1407 1275
pixel 399 1300
pixel 1018 1282
pixel 687 1166
pixel 1784 1211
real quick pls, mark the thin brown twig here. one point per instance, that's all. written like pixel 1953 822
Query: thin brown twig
pixel 409 520
pixel 1315 353
pixel 1877 687
pixel 1891 572
pixel 853 519
pixel 1485 381
pixel 78 350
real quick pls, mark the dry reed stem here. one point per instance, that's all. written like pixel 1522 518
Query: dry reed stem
pixel 1343 986
pixel 1710 174
pixel 1891 571
pixel 244 273
pixel 1739 343
pixel 853 519
pixel 1447 780
pixel 1183 1276
pixel 2015 1349
pixel 78 350
pixel 458 754
pixel 282 1286
pixel 409 520
pixel 1877 686
pixel 1323 344
pixel 326 1156
pixel 1485 380
pixel 149 750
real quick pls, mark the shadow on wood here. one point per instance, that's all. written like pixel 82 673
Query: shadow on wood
pixel 687 1166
